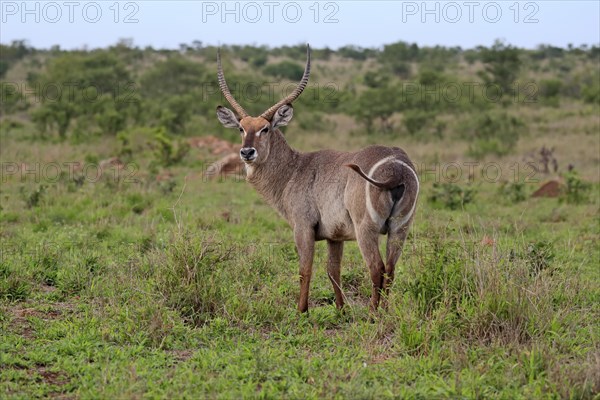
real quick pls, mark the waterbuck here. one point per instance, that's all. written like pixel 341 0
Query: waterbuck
pixel 327 195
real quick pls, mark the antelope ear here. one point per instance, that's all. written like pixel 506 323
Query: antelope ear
pixel 227 117
pixel 282 116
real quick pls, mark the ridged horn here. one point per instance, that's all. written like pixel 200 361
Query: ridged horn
pixel 294 95
pixel 225 89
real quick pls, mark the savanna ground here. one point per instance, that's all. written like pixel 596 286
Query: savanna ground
pixel 151 280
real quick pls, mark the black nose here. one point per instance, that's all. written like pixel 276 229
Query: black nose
pixel 248 153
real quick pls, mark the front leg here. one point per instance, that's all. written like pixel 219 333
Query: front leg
pixel 305 244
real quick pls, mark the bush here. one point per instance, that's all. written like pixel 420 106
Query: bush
pixel 591 93
pixel 493 133
pixel 12 98
pixel 7 125
pixel 514 192
pixel 377 105
pixel 502 63
pixel 314 121
pixel 285 69
pixel 376 79
pixel 416 120
pixel 167 152
pixel 550 87
pixel 259 60
pixel 175 111
pixel 430 77
pixel 576 191
pixel 97 79
pixel 451 195
pixel 33 199
pixel 356 52
pixel 171 77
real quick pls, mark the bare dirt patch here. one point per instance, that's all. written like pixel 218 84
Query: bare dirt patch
pixel 52 377
pixel 214 145
pixel 23 311
pixel 549 189
pixel 228 164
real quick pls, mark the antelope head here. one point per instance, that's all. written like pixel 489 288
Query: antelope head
pixel 256 131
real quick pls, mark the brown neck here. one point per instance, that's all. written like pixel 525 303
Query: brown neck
pixel 272 176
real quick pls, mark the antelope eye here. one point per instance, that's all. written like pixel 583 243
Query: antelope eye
pixel 265 130
pixel 241 130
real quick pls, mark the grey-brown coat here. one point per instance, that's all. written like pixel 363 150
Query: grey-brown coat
pixel 328 195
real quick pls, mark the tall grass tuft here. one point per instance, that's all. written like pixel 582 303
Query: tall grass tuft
pixel 189 273
pixel 489 294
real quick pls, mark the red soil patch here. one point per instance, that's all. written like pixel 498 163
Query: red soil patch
pixel 52 377
pixel 21 312
pixel 231 164
pixel 214 144
pixel 548 189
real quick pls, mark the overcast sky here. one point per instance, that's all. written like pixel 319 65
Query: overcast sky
pixel 166 24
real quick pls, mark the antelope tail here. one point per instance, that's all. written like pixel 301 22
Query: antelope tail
pixel 390 184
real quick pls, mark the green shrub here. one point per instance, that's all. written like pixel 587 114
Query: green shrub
pixel 428 77
pixel 354 52
pixel 315 122
pixel 137 202
pixel 451 195
pixel 259 60
pixel 286 70
pixel 576 191
pixel 376 79
pixel 550 87
pixel 501 65
pixel 416 120
pixel 167 151
pixel 171 77
pixel 175 111
pixel 494 133
pixel 550 92
pixel 514 192
pixel 32 199
pixel 3 68
pixel 124 141
pixel 110 116
pixel 591 93
pixel 378 104
pixel 97 79
pixel 12 98
pixel 8 124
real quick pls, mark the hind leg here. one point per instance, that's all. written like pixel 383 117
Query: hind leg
pixel 334 262
pixel 368 243
pixel 395 243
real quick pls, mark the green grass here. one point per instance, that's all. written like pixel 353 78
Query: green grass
pixel 125 289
